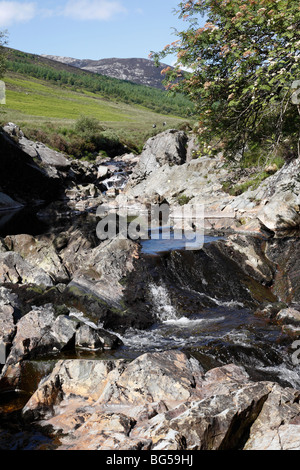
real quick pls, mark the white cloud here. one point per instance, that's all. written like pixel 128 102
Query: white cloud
pixel 16 12
pixel 93 9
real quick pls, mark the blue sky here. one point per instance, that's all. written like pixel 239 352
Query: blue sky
pixel 90 29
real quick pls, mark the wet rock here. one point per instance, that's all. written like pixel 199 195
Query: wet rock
pixel 109 340
pixel 88 337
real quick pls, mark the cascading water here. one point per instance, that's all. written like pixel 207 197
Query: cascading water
pixel 227 332
pixel 162 303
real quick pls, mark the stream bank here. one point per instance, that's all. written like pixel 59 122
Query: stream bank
pixel 81 315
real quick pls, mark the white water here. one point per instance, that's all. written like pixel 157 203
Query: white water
pixel 167 313
pixel 117 181
pixel 162 304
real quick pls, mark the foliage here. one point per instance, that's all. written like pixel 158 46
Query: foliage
pixel 85 140
pixel 183 200
pixel 87 125
pixel 243 61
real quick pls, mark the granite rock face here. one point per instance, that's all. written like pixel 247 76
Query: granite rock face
pixel 168 148
pixel 164 401
pixel 15 269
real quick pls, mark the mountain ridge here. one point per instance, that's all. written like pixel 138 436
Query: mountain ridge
pixel 136 70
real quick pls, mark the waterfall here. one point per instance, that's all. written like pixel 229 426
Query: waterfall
pixel 162 303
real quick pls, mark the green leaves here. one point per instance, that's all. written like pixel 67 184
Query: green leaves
pixel 246 56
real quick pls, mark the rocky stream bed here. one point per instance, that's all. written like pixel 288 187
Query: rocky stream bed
pixel 125 344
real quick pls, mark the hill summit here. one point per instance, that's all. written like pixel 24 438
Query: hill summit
pixel 141 71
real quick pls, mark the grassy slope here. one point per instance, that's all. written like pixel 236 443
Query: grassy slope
pixel 41 104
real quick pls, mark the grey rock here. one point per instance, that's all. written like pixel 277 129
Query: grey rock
pixel 40 252
pixel 10 309
pixel 38 333
pixel 102 171
pixel 14 269
pixel 166 148
pixel 278 424
pixel 100 269
pixel 87 337
pixel 281 213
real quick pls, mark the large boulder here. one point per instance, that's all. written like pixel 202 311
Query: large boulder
pixel 99 282
pixel 281 213
pixel 40 332
pixel 39 173
pixel 280 197
pixel 14 269
pixel 40 252
pixel 166 148
pixel 31 181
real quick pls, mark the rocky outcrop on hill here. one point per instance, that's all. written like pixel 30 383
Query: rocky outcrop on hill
pixel 140 71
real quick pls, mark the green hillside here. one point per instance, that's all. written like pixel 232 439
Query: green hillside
pixel 46 98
